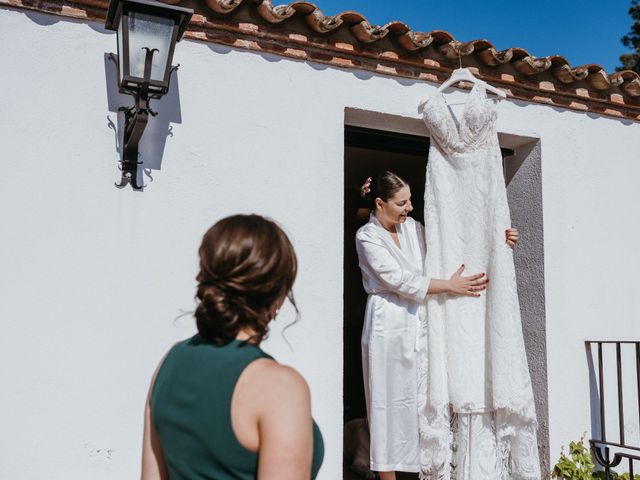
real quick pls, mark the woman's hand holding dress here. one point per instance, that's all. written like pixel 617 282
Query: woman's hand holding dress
pixel 458 285
pixel 512 236
pixel 467 286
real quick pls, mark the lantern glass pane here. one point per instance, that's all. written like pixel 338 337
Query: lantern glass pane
pixel 120 52
pixel 151 32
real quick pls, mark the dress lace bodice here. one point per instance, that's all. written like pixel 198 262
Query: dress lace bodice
pixel 477 127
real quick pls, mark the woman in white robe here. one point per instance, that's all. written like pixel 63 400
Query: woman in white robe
pixel 391 252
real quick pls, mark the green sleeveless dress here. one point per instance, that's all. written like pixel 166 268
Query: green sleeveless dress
pixel 191 409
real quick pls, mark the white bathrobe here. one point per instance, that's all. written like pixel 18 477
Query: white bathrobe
pixel 397 286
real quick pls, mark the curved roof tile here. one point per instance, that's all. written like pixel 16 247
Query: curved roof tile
pixel 301 30
pixel 413 41
pixel 219 6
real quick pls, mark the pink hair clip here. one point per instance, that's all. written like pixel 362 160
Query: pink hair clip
pixel 366 187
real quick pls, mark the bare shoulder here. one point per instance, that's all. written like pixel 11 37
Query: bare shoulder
pixel 268 372
pixel 275 383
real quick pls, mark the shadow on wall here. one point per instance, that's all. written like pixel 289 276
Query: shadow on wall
pixel 594 396
pixel 44 20
pixel 158 129
pixel 312 63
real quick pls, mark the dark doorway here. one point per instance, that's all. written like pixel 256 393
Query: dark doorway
pixel 367 152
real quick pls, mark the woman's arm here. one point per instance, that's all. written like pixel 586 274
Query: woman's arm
pixel 153 465
pixel 285 426
pixel 374 257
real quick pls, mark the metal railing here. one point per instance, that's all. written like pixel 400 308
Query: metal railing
pixel 613 450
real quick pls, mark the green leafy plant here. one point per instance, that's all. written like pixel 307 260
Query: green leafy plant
pixel 578 465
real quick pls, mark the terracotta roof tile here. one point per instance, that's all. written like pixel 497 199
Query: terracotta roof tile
pixel 301 30
pixel 446 45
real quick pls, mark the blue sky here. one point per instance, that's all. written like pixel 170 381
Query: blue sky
pixel 582 31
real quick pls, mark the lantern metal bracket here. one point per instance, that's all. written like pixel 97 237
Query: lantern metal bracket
pixel 134 71
pixel 135 120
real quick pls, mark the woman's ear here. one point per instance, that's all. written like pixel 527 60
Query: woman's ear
pixel 378 202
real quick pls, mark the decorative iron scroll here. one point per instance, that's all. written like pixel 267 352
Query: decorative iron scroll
pixel 608 451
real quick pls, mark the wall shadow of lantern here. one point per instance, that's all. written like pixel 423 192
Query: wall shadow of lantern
pixel 147 32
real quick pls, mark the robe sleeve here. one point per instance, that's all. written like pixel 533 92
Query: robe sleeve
pixel 375 259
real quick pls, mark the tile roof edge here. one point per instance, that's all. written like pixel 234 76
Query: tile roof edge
pixel 366 32
pixel 616 94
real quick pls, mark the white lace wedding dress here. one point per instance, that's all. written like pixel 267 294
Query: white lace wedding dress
pixel 477 413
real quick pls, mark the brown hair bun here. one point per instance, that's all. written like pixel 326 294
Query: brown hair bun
pixel 247 266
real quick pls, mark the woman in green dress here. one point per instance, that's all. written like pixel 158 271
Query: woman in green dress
pixel 218 406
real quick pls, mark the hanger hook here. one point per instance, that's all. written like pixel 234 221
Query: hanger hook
pixel 458 45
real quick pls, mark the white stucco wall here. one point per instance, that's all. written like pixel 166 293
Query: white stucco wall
pixel 92 278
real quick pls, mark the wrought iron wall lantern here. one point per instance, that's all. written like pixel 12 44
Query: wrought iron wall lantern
pixel 147 34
